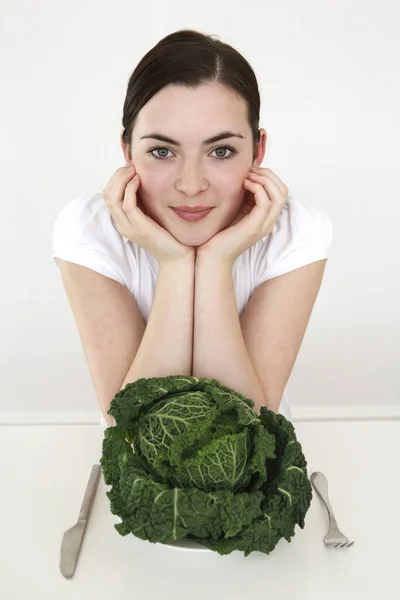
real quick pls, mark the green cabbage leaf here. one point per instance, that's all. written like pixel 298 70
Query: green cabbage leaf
pixel 190 458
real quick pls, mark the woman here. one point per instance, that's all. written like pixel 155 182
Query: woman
pixel 194 259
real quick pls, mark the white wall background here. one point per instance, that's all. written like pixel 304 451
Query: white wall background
pixel 329 79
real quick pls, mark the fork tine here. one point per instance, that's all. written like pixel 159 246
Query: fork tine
pixel 343 544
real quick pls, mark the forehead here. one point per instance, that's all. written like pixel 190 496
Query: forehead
pixel 202 109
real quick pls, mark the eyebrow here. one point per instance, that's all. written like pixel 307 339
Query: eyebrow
pixel 220 136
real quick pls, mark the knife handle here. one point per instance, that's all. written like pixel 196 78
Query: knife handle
pixel 90 493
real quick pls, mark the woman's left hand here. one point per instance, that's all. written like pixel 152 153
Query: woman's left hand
pixel 263 201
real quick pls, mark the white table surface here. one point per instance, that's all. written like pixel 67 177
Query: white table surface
pixel 44 472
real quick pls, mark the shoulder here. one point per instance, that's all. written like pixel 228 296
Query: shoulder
pixel 86 217
pixel 302 234
pixel 83 233
pixel 302 221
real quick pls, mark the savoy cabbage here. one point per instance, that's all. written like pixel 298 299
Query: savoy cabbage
pixel 190 458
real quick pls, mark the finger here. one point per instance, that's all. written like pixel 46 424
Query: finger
pixel 122 203
pixel 268 173
pixel 119 179
pixel 115 189
pixel 248 200
pixel 139 202
pixel 130 199
pixel 267 201
pixel 270 185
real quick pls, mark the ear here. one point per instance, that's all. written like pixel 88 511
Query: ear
pixel 260 148
pixel 126 149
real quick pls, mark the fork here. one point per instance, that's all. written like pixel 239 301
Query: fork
pixel 334 537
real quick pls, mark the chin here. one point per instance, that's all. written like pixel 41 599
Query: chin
pixel 195 236
pixel 193 240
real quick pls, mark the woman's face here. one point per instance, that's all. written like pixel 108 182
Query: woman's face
pixel 188 171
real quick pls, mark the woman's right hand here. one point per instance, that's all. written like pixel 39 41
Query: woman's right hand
pixel 121 197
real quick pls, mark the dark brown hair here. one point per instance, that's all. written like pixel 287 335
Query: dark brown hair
pixel 190 58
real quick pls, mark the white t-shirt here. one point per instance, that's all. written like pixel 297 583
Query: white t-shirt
pixel 85 234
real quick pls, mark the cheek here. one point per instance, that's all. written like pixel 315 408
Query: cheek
pixel 234 192
pixel 149 185
pixel 153 180
pixel 150 193
pixel 232 180
pixel 148 198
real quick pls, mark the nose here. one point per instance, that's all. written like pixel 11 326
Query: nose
pixel 191 181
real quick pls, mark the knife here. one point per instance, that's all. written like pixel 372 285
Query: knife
pixel 72 539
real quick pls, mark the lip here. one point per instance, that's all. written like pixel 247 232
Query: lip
pixel 198 208
pixel 192 215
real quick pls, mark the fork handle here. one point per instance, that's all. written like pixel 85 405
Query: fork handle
pixel 320 484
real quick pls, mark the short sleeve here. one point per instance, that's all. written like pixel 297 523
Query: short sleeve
pixel 83 234
pixel 303 234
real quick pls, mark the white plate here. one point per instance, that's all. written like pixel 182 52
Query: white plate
pixel 183 544
pixel 187 545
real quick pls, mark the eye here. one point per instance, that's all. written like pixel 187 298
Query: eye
pixel 150 153
pixel 232 150
pixel 164 156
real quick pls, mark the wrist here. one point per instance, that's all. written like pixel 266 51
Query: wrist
pixel 183 262
pixel 205 254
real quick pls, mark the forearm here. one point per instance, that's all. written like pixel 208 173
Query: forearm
pixel 219 351
pixel 167 343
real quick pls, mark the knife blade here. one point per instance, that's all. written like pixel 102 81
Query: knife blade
pixel 73 537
